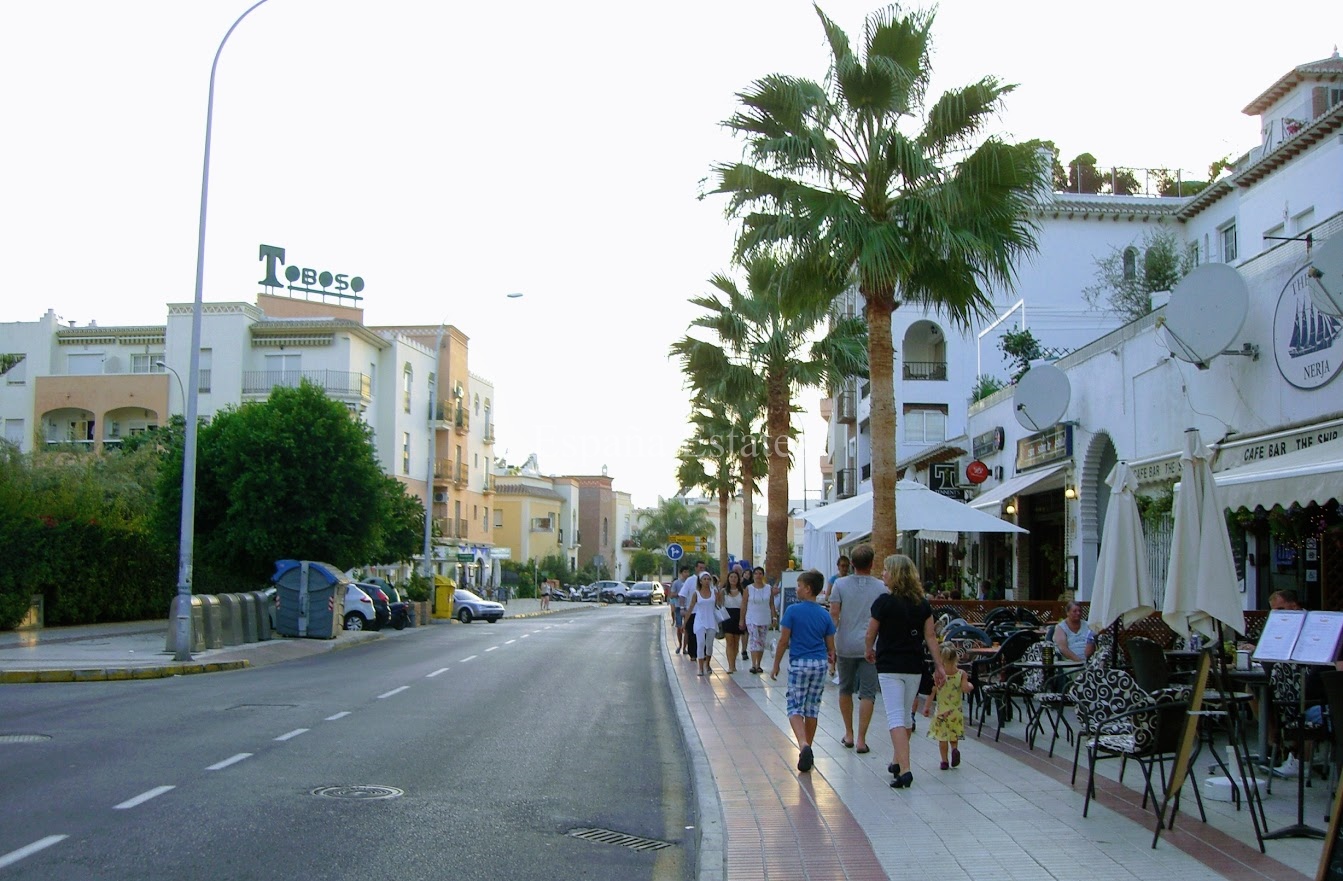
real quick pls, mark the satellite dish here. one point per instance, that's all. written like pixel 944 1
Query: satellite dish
pixel 1206 312
pixel 1326 277
pixel 1041 396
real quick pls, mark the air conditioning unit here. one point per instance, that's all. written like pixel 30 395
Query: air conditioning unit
pixel 441 498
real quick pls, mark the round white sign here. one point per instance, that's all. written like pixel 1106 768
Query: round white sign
pixel 1307 342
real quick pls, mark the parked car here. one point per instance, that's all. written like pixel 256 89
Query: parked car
pixel 646 592
pixel 360 613
pixel 608 591
pixel 468 607
pixel 382 604
pixel 402 613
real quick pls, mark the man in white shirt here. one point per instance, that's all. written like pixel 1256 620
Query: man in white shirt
pixel 851 599
pixel 688 588
pixel 678 607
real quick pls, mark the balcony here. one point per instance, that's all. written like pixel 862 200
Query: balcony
pixel 443 469
pixel 459 474
pixel 488 436
pixel 847 405
pixel 462 528
pixel 925 370
pixel 341 385
pixel 445 527
pixel 846 483
pixel 461 421
pixel 488 487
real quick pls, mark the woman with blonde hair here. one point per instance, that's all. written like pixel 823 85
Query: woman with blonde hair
pixel 901 625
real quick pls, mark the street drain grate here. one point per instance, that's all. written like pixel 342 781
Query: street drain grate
pixel 359 792
pixel 24 738
pixel 619 839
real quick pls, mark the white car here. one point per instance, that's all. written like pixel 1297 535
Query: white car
pixel 359 611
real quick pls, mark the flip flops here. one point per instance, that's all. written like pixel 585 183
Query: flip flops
pixel 863 749
pixel 848 744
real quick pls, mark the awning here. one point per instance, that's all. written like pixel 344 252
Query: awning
pixel 1314 474
pixel 992 499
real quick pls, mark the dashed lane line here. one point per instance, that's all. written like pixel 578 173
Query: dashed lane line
pixel 387 694
pixel 468 658
pixel 510 642
pixel 438 672
pixel 292 734
pixel 29 849
pixel 231 760
pixel 491 648
pixel 341 715
pixel 142 798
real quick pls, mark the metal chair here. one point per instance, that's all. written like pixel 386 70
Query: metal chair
pixel 992 678
pixel 1148 660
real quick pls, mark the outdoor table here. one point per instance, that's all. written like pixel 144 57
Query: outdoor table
pixel 1257 679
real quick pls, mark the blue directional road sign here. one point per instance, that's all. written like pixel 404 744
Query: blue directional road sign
pixel 675 551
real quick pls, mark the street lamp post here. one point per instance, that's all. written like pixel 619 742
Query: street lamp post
pixel 429 478
pixel 180 388
pixel 188 524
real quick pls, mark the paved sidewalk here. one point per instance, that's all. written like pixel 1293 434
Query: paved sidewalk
pixel 1007 812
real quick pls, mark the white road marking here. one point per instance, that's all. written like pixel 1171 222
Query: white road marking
pixel 524 636
pixel 142 798
pixel 292 734
pixel 393 691
pixel 341 715
pixel 471 658
pixel 438 672
pixel 29 849
pixel 231 760
pixel 510 642
pixel 491 648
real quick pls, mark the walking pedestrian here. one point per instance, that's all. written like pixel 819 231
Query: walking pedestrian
pixel 759 611
pixel 687 589
pixel 948 726
pixel 734 598
pixel 851 599
pixel 902 623
pixel 677 605
pixel 807 633
pixel 545 595
pixel 703 600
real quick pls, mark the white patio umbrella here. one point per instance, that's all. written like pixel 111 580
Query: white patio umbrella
pixel 1123 589
pixel 917 507
pixel 1201 581
pixel 820 549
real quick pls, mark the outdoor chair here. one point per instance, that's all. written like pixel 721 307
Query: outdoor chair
pixel 1148 661
pixel 1046 697
pixel 1332 682
pixel 1130 723
pixel 992 678
pixel 964 631
pixel 1285 691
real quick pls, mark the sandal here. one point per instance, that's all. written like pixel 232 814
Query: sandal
pixel 863 749
pixel 848 744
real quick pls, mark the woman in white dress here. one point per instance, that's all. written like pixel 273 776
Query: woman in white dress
pixel 702 603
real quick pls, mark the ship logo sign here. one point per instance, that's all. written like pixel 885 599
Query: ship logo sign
pixel 1307 343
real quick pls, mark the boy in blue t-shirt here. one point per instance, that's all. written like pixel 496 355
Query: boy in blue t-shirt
pixel 807 633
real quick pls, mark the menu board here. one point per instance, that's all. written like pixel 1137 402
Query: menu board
pixel 1279 637
pixel 1318 641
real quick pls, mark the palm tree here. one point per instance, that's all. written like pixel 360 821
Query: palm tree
pixel 671 517
pixel 920 217
pixel 769 337
pixel 707 463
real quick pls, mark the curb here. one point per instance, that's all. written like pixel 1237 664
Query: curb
pixel 118 674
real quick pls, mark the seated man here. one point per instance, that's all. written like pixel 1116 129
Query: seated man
pixel 1072 635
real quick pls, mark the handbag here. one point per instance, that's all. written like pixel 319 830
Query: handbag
pixel 720 615
pixel 719 634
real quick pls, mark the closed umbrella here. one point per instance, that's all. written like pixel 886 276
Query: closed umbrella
pixel 1201 583
pixel 820 550
pixel 1122 590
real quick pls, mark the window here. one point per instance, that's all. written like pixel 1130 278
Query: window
pixel 1228 234
pixel 147 363
pixel 1303 221
pixel 925 423
pixel 14 431
pixel 542 524
pixel 1130 263
pixel 407 377
pixel 606 532
pixel 486 522
pixel 405 452
pixel 498 519
pixel 477 405
pixel 207 356
pixel 1194 254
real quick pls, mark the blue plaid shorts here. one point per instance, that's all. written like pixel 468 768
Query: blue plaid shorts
pixel 806 684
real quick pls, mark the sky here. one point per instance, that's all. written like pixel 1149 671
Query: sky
pixel 453 153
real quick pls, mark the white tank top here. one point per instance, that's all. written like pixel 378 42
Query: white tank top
pixel 757 608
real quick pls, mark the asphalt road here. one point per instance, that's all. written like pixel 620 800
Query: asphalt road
pixel 501 740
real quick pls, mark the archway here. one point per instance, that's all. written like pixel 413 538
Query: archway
pixel 1094 498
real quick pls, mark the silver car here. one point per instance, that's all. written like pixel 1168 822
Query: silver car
pixel 467 607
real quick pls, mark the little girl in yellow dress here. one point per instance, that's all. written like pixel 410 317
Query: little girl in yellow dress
pixel 948 726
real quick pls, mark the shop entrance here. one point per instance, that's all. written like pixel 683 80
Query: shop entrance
pixel 1042 514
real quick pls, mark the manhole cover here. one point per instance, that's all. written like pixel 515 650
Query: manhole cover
pixel 359 792
pixel 619 839
pixel 24 738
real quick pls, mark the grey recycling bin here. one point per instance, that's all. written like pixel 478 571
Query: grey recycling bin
pixel 311 599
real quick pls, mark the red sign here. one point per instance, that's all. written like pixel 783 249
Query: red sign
pixel 976 472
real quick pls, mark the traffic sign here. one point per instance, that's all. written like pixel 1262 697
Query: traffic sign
pixel 675 551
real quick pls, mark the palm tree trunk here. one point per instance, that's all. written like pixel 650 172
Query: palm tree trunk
pixel 747 505
pixel 881 365
pixel 777 420
pixel 723 499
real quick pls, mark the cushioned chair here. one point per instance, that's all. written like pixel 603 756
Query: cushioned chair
pixel 1285 689
pixel 992 678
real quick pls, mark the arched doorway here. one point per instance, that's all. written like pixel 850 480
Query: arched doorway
pixel 1094 499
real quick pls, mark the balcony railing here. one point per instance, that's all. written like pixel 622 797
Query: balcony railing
pixel 934 370
pixel 462 528
pixel 488 486
pixel 459 474
pixel 845 483
pixel 443 469
pixel 848 405
pixel 461 422
pixel 337 383
pixel 488 436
